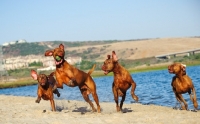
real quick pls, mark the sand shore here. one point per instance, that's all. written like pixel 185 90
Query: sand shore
pixel 24 110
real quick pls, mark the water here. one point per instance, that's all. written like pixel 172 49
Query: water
pixel 152 88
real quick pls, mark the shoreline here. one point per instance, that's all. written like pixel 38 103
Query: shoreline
pixel 17 109
pixel 28 80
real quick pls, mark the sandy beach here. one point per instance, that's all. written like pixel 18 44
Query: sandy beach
pixel 24 110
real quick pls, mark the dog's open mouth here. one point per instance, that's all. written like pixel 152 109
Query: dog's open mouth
pixel 104 69
pixel 58 60
pixel 42 82
pixel 170 70
pixel 106 72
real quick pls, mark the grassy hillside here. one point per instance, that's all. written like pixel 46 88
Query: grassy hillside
pixel 36 48
pixel 98 50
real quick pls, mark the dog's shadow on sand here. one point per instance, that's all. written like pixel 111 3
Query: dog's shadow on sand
pixel 82 110
pixel 60 108
pixel 126 110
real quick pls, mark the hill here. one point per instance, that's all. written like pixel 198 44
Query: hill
pixel 98 50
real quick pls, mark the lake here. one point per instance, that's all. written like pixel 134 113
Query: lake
pixel 153 87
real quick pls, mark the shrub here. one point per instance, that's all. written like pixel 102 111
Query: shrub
pixel 38 64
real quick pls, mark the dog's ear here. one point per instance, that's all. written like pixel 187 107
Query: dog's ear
pixel 61 46
pixel 34 74
pixel 183 68
pixel 114 56
pixel 52 74
pixel 48 53
pixel 108 56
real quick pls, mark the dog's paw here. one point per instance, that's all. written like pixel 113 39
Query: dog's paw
pixel 37 101
pixel 175 108
pixel 58 94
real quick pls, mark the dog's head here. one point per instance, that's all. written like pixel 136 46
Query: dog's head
pixel 177 68
pixel 58 54
pixel 41 78
pixel 109 63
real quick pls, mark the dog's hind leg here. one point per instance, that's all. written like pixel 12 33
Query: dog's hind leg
pixel 193 98
pixel 86 97
pixel 94 94
pixel 85 87
pixel 122 101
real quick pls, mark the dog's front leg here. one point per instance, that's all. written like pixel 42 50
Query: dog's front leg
pixel 39 93
pixel 38 99
pixel 52 105
pixel 70 79
pixel 115 97
pixel 72 82
pixel 55 91
pixel 59 80
pixel 59 83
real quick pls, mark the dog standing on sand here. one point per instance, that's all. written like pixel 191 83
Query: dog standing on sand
pixel 72 77
pixel 122 79
pixel 182 83
pixel 46 87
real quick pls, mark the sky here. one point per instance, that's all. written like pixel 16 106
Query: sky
pixel 91 20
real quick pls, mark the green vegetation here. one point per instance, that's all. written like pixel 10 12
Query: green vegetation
pixel 38 48
pixel 85 65
pixel 35 64
pixel 18 83
pixel 24 49
pixel 20 73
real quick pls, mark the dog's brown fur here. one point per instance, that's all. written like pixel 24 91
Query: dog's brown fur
pixel 46 87
pixel 72 77
pixel 181 83
pixel 122 79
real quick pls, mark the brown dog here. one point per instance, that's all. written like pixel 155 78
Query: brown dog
pixel 71 76
pixel 122 79
pixel 46 87
pixel 181 83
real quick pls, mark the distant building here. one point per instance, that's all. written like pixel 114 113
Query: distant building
pixel 14 42
pixel 3 71
pixel 24 61
pixel 21 41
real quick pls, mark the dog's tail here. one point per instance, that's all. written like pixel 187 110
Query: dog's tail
pixel 194 100
pixel 92 69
